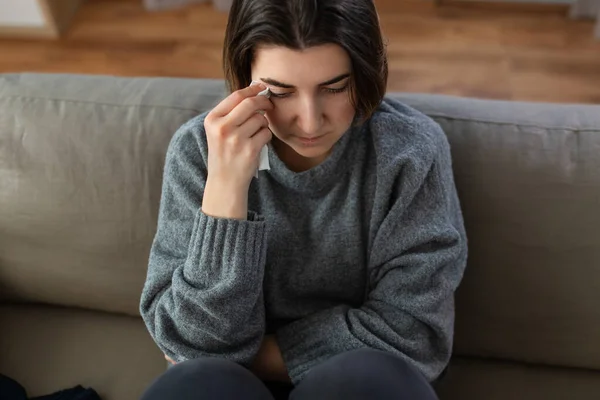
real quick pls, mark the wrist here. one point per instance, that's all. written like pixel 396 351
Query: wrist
pixel 223 200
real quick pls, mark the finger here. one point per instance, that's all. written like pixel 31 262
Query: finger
pixel 253 125
pixel 247 108
pixel 169 359
pixel 261 138
pixel 235 98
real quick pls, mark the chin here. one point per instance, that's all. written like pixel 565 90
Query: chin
pixel 312 152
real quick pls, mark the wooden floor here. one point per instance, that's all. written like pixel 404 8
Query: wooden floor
pixel 467 51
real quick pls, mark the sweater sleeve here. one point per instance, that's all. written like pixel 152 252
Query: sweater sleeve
pixel 203 291
pixel 416 262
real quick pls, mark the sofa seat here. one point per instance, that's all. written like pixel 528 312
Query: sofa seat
pixel 48 348
pixel 486 379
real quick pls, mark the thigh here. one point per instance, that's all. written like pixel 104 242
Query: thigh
pixel 364 374
pixel 207 379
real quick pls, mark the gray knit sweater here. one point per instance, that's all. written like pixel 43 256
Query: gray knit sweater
pixel 364 250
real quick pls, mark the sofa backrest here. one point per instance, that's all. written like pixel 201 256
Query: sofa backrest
pixel 528 177
pixel 81 161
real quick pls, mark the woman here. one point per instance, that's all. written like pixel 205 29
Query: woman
pixel 332 274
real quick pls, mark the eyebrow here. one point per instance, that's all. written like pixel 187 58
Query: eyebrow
pixel 274 82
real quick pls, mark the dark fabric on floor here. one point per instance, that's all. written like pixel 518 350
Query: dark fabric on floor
pixel 12 390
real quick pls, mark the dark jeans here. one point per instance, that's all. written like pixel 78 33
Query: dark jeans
pixel 360 374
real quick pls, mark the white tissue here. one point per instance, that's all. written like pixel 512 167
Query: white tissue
pixel 263 163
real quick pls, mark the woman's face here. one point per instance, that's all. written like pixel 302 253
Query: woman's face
pixel 310 92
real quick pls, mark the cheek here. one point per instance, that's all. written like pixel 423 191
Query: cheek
pixel 279 116
pixel 341 112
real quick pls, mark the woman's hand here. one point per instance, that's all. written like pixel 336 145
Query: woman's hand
pixel 169 359
pixel 236 133
pixel 268 363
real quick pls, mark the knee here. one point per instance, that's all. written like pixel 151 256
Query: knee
pixel 189 379
pixel 204 373
pixel 209 368
pixel 365 373
pixel 367 365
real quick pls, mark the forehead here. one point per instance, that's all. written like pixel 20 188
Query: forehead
pixel 309 66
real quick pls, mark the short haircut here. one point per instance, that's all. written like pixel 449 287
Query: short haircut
pixel 299 24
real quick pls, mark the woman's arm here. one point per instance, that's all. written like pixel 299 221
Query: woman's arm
pixel 203 293
pixel 416 262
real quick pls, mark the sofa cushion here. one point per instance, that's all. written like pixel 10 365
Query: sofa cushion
pixel 477 379
pixel 81 161
pixel 528 176
pixel 48 348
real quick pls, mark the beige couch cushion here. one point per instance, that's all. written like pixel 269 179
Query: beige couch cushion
pixel 475 379
pixel 81 161
pixel 47 348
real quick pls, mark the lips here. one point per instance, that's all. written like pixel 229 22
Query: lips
pixel 310 140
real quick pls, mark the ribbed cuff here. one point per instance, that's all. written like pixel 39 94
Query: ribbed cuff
pixel 222 248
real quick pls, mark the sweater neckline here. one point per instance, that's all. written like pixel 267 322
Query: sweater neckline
pixel 321 177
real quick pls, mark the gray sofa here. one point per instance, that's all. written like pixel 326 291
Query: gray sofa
pixel 81 162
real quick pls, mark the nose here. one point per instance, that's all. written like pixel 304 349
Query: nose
pixel 310 117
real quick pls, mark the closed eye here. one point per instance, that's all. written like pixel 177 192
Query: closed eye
pixel 280 95
pixel 338 90
pixel 326 90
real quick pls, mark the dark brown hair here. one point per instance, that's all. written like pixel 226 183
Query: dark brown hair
pixel 299 24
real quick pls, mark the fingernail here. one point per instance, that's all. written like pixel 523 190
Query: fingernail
pixel 254 83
